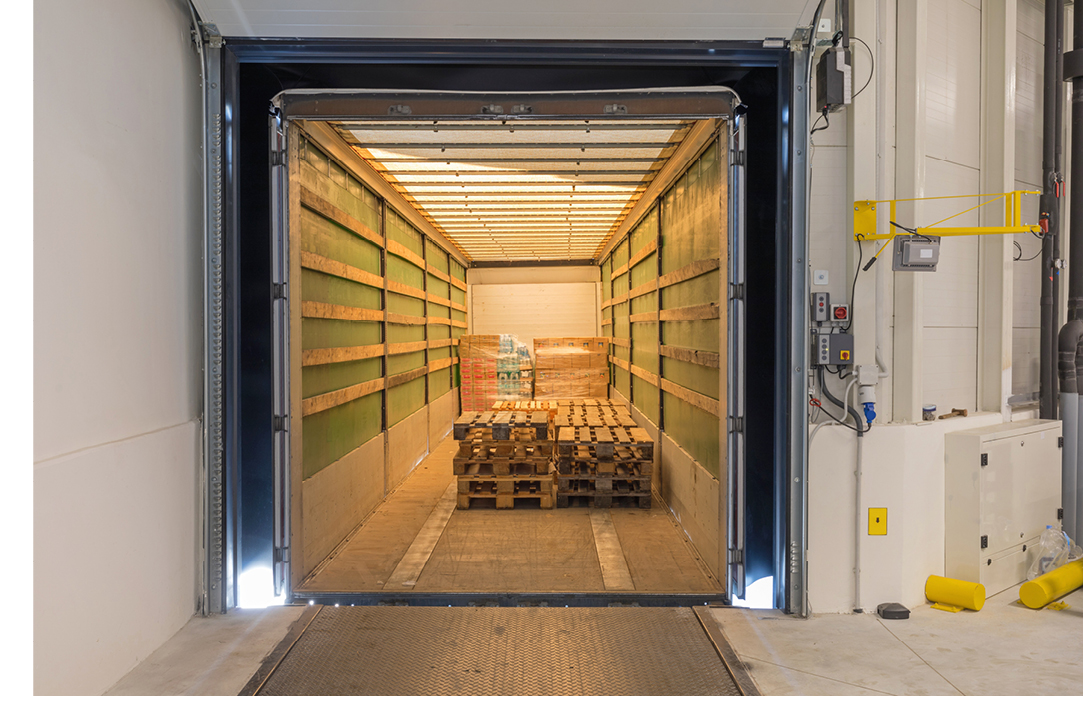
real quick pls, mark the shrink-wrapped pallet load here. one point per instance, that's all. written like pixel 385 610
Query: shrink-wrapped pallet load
pixel 491 370
pixel 571 368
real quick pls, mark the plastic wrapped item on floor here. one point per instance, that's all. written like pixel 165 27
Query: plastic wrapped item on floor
pixel 1054 550
pixel 571 368
pixel 491 371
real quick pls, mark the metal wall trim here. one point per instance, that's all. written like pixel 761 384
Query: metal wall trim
pixel 798 351
pixel 214 536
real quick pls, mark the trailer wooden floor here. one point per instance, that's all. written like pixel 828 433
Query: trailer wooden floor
pixel 406 545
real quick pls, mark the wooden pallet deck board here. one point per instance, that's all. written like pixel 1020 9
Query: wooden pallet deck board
pixel 603 501
pixel 502 422
pixel 506 491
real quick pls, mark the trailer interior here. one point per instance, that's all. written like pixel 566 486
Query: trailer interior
pixel 383 222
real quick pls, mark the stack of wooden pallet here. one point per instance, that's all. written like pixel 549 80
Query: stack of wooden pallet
pixel 603 458
pixel 505 456
pixel 550 407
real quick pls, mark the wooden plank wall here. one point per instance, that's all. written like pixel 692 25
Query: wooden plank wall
pixel 382 308
pixel 662 311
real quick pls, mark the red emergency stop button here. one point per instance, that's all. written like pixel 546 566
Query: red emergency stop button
pixel 840 313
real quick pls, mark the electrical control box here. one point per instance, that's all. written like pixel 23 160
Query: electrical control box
pixel 820 307
pixel 840 312
pixel 833 82
pixel 1002 487
pixel 833 349
pixel 916 252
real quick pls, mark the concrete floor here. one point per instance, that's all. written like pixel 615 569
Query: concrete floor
pixel 212 656
pixel 1004 649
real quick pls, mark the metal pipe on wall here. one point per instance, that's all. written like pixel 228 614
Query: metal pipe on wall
pixel 1073 71
pixel 1069 412
pixel 1049 213
pixel 1070 487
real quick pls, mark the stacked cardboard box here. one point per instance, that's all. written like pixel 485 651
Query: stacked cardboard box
pixel 571 368
pixel 490 370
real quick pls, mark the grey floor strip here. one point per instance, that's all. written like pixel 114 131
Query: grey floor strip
pixel 615 573
pixel 274 658
pixel 417 555
pixel 729 657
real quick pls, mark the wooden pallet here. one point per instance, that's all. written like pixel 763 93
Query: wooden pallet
pixel 528 406
pixel 605 418
pixel 602 443
pixel 612 468
pixel 590 403
pixel 603 501
pixel 507 491
pixel 501 423
pixel 599 486
pixel 487 467
pixel 518 438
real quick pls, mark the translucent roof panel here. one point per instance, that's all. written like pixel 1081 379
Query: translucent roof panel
pixel 519 189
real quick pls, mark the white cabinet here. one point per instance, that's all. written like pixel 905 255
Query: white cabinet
pixel 1002 487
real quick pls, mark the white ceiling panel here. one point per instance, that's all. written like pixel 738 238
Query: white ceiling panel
pixel 531 196
pixel 509 19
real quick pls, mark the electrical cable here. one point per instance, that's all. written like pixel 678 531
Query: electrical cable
pixel 1019 257
pixel 853 288
pixel 872 66
pixel 815 403
pixel 827 123
pixel 860 429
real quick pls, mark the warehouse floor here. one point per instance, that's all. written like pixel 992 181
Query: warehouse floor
pixel 1006 649
pixel 416 540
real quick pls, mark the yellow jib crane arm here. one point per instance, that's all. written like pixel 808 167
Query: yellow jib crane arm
pixel 866 221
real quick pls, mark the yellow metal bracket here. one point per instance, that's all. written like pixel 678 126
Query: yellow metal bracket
pixel 866 220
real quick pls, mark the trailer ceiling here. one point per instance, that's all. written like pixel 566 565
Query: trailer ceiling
pixel 519 189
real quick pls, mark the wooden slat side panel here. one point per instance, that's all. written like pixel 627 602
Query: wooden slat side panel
pixel 404 289
pixel 646 375
pixel 315 203
pixel 324 356
pixel 413 347
pixel 320 403
pixel 440 363
pixel 648 287
pixel 401 378
pixel 313 309
pixel 643 252
pixel 319 263
pixel 699 357
pixel 692 270
pixel 705 311
pixel 400 319
pixel 699 400
pixel 405 253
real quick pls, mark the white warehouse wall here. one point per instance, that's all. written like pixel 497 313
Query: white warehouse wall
pixel 903 466
pixel 117 338
pixel 543 302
